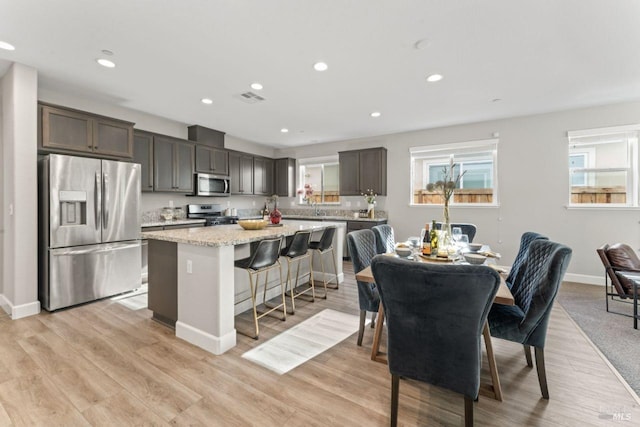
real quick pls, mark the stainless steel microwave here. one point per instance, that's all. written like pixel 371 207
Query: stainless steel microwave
pixel 211 185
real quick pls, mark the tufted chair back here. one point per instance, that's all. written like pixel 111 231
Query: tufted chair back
pixel 362 249
pixel 385 241
pixel 525 241
pixel 538 286
pixel 435 316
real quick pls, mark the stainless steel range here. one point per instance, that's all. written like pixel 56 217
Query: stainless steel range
pixel 212 213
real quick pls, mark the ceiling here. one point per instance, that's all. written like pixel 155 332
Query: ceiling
pixel 499 58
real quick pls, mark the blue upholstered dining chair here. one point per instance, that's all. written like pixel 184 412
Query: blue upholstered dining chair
pixel 468 229
pixel 534 292
pixel 435 316
pixel 385 240
pixel 362 249
pixel 525 241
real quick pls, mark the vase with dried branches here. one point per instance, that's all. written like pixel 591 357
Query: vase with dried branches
pixel 446 187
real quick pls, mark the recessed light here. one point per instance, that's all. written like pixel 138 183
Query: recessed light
pixel 434 78
pixel 496 100
pixel 106 52
pixel 106 63
pixel 320 66
pixel 375 114
pixel 256 86
pixel 207 101
pixel 284 130
pixel 7 46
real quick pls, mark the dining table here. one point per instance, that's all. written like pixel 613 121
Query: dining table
pixel 503 296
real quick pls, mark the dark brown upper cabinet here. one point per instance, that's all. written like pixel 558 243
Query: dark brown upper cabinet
pixel 262 176
pixel 240 173
pixel 143 154
pixel 363 170
pixel 173 165
pixel 69 131
pixel 212 160
pixel 285 177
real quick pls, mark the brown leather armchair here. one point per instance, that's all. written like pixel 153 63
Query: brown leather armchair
pixel 619 259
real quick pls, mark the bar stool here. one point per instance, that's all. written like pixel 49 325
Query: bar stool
pixel 324 245
pixel 298 250
pixel 263 259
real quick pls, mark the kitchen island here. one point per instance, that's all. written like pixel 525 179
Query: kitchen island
pixel 195 267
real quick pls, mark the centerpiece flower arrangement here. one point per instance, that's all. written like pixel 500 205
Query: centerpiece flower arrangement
pixel 307 193
pixel 370 198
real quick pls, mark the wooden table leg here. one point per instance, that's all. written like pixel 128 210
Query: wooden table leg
pixel 492 390
pixel 377 334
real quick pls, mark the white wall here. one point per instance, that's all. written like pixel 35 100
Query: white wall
pixel 19 185
pixel 533 184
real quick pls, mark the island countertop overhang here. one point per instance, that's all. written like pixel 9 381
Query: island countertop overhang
pixel 229 235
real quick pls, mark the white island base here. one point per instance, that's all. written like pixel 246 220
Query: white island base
pixel 208 283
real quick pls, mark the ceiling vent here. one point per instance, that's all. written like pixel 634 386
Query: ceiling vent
pixel 250 97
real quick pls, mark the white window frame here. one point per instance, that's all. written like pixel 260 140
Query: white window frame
pixel 316 161
pixel 632 188
pixel 445 152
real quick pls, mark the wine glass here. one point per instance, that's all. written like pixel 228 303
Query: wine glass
pixel 463 242
pixel 456 232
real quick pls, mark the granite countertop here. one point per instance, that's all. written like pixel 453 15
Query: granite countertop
pixel 332 218
pixel 172 222
pixel 226 235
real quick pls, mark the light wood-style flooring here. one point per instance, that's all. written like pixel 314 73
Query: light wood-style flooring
pixel 104 364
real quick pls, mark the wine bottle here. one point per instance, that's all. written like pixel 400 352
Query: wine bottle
pixel 426 241
pixel 265 213
pixel 433 236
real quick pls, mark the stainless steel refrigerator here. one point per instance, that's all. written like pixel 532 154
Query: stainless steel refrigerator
pixel 89 234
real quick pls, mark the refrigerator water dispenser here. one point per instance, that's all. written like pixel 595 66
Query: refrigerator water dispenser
pixel 73 207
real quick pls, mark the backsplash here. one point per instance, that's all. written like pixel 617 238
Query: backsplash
pixel 157 214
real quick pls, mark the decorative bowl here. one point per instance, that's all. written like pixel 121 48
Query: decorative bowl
pixel 475 247
pixel 475 259
pixel 403 251
pixel 253 224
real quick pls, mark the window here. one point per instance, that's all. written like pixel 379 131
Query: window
pixel 603 165
pixel 475 159
pixel 323 175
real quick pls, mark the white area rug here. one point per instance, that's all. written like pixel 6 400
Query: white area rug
pixel 304 341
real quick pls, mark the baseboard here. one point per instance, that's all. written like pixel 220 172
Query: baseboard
pixel 204 340
pixel 584 278
pixel 19 311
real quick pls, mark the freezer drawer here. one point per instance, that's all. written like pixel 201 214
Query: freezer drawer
pixel 86 273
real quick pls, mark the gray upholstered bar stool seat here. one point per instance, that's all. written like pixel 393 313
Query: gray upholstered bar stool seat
pixel 322 247
pixel 264 258
pixel 297 251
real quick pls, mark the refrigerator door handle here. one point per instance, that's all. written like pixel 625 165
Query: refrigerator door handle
pixel 105 198
pixel 97 196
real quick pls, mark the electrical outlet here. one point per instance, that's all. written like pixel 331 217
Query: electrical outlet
pixel 254 203
pixel 189 266
pixel 228 203
pixel 348 204
pixel 170 203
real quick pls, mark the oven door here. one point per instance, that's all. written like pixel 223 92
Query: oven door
pixel 211 185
